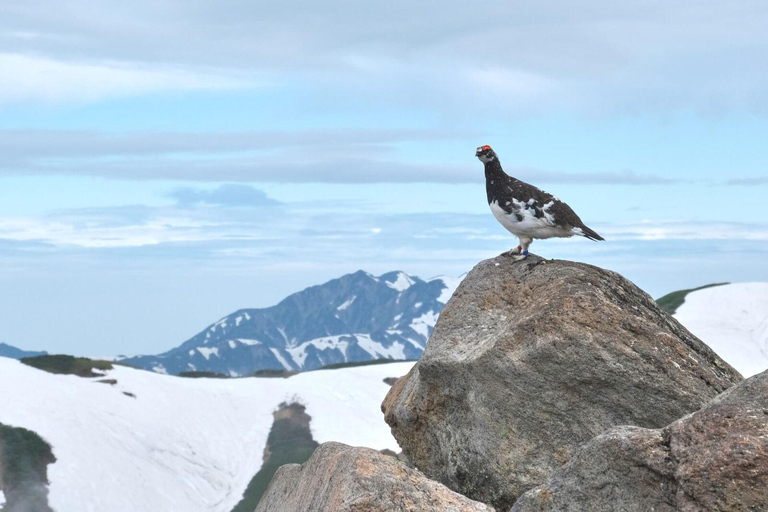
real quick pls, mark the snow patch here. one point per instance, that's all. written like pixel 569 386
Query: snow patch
pixel 192 352
pixel 206 352
pixel 281 359
pixel 346 304
pixel 159 368
pixel 377 350
pixel 232 344
pixel 246 341
pixel 423 323
pixel 238 319
pixel 733 320
pixel 451 283
pixel 299 353
pixel 402 283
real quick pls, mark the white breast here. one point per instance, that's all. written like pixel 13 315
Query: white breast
pixel 529 226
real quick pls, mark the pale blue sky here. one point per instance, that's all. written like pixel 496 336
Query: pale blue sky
pixel 164 163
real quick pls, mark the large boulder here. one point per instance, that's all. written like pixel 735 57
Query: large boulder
pixel 340 478
pixel 714 459
pixel 531 359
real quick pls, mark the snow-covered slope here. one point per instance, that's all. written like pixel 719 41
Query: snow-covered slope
pixel 357 317
pixel 179 444
pixel 733 320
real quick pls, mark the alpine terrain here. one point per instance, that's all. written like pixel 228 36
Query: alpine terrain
pixel 137 441
pixel 357 317
pixel 733 320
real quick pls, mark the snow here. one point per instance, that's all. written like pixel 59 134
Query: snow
pixel 232 344
pixel 422 324
pixel 2 499
pixel 299 353
pixel 451 283
pixel 238 320
pixel 180 444
pixel 402 283
pixel 206 352
pixel 281 359
pixel 377 350
pixel 246 341
pixel 346 304
pixel 733 320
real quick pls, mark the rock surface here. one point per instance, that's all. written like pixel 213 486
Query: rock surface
pixel 340 478
pixel 528 361
pixel 714 459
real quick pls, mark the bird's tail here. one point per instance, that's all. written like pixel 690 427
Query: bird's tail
pixel 587 233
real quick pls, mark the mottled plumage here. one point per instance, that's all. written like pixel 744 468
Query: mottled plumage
pixel 526 211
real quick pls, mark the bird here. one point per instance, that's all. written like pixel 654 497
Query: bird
pixel 526 211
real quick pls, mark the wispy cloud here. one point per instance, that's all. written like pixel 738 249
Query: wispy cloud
pixel 224 195
pixel 327 156
pixel 585 56
pixel 28 78
pixel 748 182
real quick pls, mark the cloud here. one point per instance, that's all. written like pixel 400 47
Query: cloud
pixel 313 156
pixel 528 56
pixel 748 182
pixel 27 78
pixel 224 195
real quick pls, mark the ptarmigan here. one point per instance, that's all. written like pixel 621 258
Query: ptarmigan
pixel 526 211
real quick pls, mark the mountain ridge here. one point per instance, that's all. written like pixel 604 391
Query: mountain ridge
pixel 356 317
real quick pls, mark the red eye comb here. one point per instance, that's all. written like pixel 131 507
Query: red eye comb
pixel 485 147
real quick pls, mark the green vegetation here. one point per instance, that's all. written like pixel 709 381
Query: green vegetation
pixel 24 467
pixel 273 373
pixel 363 363
pixel 70 365
pixel 671 301
pixel 289 442
pixel 203 375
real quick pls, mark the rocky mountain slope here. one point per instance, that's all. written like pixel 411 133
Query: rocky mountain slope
pixel 358 317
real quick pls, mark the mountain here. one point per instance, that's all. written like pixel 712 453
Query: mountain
pixel 733 320
pixel 137 441
pixel 16 353
pixel 357 317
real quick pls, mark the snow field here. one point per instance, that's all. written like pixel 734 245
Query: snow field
pixel 733 320
pixel 180 444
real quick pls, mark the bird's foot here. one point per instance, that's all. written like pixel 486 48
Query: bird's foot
pixel 518 253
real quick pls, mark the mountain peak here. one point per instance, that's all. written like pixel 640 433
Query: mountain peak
pixel 398 281
pixel 356 317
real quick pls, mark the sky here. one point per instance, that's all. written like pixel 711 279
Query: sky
pixel 164 163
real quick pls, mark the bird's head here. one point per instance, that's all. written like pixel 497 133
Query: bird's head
pixel 485 154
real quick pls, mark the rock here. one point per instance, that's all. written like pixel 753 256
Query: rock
pixel 340 478
pixel 714 459
pixel 528 361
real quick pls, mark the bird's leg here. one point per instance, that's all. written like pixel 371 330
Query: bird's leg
pixel 522 250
